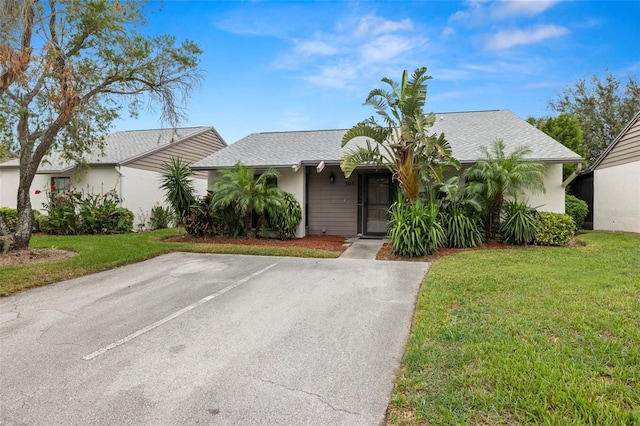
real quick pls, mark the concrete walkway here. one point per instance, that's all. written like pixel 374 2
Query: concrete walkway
pixel 362 248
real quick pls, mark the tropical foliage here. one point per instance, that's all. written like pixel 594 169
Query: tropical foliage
pixel 161 217
pixel 284 219
pixel 401 141
pixel 75 213
pixel 519 224
pixel 414 229
pixel 459 214
pixel 177 183
pixel 238 188
pixel 499 175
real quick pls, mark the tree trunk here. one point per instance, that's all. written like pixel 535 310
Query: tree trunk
pixel 247 224
pixel 24 227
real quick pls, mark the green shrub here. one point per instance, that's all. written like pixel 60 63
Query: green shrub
pixel 202 221
pixel 518 224
pixel 73 212
pixel 462 227
pixel 41 223
pixel 36 220
pixel 10 217
pixel 161 217
pixel 554 229
pixel 284 219
pixel 577 209
pixel 414 229
pixel 121 220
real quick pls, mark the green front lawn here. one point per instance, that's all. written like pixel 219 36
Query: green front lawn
pixel 99 252
pixel 533 336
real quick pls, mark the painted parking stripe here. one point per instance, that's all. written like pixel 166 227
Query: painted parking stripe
pixel 174 315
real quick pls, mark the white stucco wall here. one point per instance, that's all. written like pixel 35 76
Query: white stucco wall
pixel 140 191
pixel 553 199
pixel 616 198
pixel 9 181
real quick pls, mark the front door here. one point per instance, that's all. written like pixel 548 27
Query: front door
pixel 377 197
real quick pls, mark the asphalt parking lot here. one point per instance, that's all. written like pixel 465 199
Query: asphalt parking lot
pixel 209 339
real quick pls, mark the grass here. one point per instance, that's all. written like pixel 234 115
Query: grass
pixel 100 252
pixel 539 336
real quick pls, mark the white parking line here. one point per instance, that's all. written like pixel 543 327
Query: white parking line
pixel 174 315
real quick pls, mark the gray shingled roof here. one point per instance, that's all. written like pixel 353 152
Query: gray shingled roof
pixel 120 147
pixel 465 131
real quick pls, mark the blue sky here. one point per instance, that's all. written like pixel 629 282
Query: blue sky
pixel 306 65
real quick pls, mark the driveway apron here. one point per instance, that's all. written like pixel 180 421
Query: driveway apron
pixel 209 339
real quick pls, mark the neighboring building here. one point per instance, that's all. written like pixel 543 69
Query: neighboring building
pixel 616 182
pixel 131 165
pixel 309 167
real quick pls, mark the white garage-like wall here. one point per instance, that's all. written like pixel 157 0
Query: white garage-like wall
pixel 616 198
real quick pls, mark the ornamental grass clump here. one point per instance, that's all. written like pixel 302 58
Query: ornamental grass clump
pixel 518 225
pixel 414 229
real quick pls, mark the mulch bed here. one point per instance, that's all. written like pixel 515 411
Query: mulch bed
pixel 33 255
pixel 385 251
pixel 324 242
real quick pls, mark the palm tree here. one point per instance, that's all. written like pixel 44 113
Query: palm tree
pixel 239 188
pixel 177 183
pixel 401 142
pixel 498 175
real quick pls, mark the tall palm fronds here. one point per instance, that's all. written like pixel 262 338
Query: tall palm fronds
pixel 499 175
pixel 240 188
pixel 401 143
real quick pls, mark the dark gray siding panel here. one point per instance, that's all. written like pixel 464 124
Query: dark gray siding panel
pixel 332 207
pixel 627 150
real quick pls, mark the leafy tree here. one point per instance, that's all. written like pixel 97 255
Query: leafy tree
pixel 238 187
pixel 177 183
pixel 401 142
pixel 565 129
pixel 68 68
pixel 499 175
pixel 603 107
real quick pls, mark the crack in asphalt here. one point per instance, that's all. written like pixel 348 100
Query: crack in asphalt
pixel 318 396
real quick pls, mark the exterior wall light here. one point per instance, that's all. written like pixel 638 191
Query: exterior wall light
pixel 332 178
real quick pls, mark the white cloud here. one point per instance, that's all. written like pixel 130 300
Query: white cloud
pixel 385 48
pixel 339 75
pixel 509 8
pixel 315 47
pixel 447 31
pixel 342 58
pixel 373 25
pixel 479 12
pixel 510 38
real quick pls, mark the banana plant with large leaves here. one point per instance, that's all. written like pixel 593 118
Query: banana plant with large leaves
pixel 398 138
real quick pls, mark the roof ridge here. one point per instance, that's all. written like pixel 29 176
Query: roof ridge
pixel 160 128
